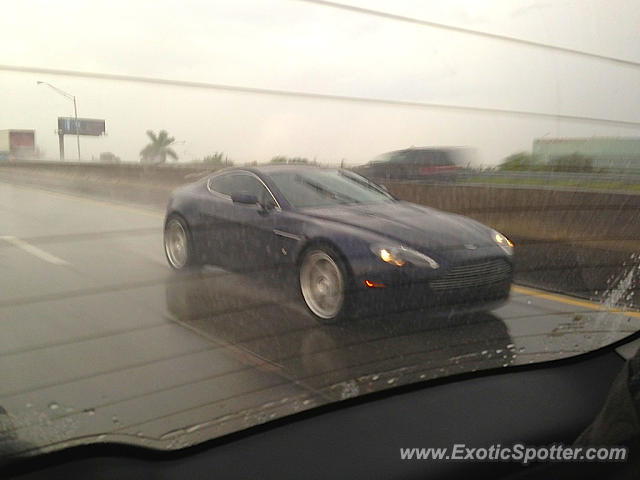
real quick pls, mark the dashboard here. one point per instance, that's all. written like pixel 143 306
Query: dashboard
pixel 362 437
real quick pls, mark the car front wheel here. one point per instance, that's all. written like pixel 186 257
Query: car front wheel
pixel 323 284
pixel 177 243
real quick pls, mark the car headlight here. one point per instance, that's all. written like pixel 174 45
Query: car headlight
pixel 401 256
pixel 503 242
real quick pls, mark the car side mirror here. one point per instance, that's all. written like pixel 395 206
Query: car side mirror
pixel 244 198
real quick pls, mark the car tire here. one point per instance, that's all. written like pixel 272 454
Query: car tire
pixel 178 244
pixel 323 279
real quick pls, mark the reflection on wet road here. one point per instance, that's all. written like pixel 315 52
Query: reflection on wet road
pixel 273 327
pixel 108 344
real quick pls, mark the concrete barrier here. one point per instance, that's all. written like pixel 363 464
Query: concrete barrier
pixel 607 219
pixel 585 243
pixel 166 174
pixel 145 184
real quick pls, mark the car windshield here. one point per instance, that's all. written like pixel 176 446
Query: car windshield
pixel 320 188
pixel 154 293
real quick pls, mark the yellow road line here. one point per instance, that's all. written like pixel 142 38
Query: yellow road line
pixel 571 301
pixel 83 198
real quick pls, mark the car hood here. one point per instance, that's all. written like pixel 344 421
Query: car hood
pixel 409 224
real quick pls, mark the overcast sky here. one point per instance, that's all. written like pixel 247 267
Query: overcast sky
pixel 292 45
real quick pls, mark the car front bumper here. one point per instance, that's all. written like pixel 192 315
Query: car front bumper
pixel 420 297
pixel 478 283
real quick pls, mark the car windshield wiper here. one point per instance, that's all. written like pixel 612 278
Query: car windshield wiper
pixel 342 198
pixel 365 183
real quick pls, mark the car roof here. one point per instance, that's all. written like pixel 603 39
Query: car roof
pixel 268 169
pixel 424 149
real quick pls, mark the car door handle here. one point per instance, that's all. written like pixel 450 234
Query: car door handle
pixel 282 233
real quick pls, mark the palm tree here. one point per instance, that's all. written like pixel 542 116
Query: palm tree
pixel 158 150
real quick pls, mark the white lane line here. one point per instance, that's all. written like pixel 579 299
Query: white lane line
pixel 35 251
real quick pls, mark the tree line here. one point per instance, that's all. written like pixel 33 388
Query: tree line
pixel 159 149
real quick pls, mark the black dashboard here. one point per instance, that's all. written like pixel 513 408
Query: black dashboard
pixel 362 437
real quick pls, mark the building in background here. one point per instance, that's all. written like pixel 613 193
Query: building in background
pixel 613 153
pixel 17 144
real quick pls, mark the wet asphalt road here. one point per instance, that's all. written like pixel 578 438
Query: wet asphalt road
pixel 100 341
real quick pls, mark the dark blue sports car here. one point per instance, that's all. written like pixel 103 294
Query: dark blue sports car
pixel 354 247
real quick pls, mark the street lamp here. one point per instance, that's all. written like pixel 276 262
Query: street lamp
pixel 75 109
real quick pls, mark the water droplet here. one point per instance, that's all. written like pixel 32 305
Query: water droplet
pixel 528 302
pixel 28 405
pixel 375 377
pixel 522 349
pixel 115 420
pixel 391 381
pixel 54 406
pixel 139 434
pixel 101 437
pixel 306 402
pixel 499 351
pixel 511 346
pixel 89 411
pixel 505 364
pixel 484 352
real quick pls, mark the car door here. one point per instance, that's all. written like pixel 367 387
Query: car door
pixel 252 241
pixel 216 216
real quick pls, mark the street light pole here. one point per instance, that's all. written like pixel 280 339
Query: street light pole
pixel 75 110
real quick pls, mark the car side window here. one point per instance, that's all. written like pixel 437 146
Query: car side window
pixel 221 184
pixel 385 157
pixel 427 158
pixel 403 157
pixel 230 183
pixel 244 183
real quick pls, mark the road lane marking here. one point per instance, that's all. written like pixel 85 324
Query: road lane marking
pixel 33 250
pixel 572 301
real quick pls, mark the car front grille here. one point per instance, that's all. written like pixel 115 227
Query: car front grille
pixel 473 275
